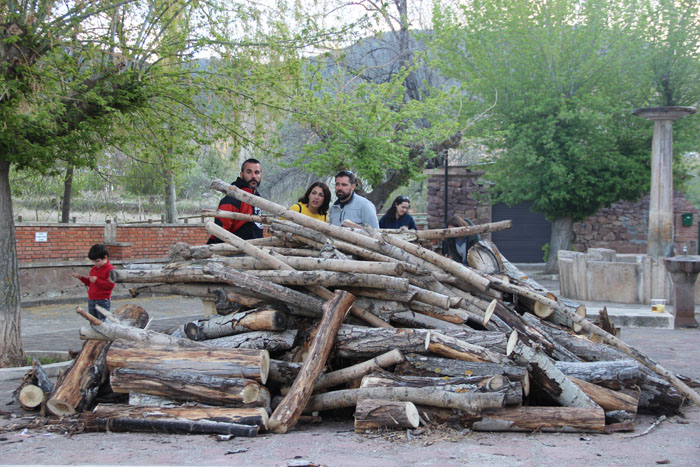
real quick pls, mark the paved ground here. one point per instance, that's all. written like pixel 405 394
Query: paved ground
pixel 676 441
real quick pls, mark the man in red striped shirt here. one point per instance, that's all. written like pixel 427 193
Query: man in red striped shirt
pixel 249 181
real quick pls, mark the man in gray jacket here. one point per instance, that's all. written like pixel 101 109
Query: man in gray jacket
pixel 349 205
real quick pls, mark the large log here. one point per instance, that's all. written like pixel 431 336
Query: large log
pixel 244 297
pixel 191 387
pixel 333 279
pixel 475 384
pixel 421 365
pixel 371 414
pixel 358 341
pixel 230 363
pixel 78 387
pixel 472 403
pixel 656 395
pixel 458 349
pixel 263 340
pixel 35 388
pixel 259 319
pixel 547 376
pixel 316 264
pixel 255 416
pixel 547 419
pixel 176 426
pixel 291 407
pixel 456 232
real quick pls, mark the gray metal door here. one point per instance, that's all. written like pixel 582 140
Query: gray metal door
pixel 523 242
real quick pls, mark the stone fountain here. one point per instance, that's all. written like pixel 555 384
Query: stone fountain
pixel 602 275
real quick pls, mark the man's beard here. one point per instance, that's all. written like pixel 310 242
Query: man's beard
pixel 342 196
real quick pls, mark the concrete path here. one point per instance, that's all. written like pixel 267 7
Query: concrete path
pixel 676 441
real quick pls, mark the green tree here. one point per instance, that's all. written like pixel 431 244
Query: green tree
pixel 68 69
pixel 376 107
pixel 563 75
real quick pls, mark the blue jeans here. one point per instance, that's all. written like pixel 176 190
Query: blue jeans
pixel 105 303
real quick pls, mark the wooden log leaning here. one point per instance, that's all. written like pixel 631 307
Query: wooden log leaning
pixel 78 387
pixel 292 406
pixel 229 363
pixel 191 387
pixel 547 376
pixel 472 403
pixel 371 414
pixel 547 419
pixel 260 319
pixel 334 378
pixel 255 416
pixel 606 337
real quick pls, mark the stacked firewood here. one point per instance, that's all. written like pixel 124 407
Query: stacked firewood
pixel 315 318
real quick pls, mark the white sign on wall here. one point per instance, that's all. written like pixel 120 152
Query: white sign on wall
pixel 41 236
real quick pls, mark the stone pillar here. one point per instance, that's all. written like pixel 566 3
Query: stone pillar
pixel 660 239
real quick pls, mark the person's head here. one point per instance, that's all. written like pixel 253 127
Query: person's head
pixel 251 172
pixel 345 184
pixel 98 254
pixel 457 221
pixel 399 207
pixel 318 197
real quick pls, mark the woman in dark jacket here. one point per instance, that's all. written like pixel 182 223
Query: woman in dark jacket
pixel 397 216
pixel 457 248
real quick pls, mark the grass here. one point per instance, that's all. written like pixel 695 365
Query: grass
pixel 45 360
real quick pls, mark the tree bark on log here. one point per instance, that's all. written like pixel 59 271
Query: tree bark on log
pixel 77 388
pixel 455 232
pixel 260 319
pixel 547 376
pixel 411 319
pixel 476 384
pixel 244 297
pixel 458 349
pixel 421 365
pixel 229 363
pixel 191 387
pixel 371 414
pixel 354 372
pixel 472 403
pixel 292 406
pixel 333 279
pixel 253 416
pixel 656 394
pixel 262 340
pixel 175 426
pixel 546 419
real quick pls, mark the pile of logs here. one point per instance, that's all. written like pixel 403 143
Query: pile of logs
pixel 316 318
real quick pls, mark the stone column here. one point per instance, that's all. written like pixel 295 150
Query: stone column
pixel 660 237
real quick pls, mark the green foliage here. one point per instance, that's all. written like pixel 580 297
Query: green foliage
pixel 562 78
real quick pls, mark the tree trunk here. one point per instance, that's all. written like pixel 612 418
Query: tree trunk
pixel 288 411
pixel 188 387
pixel 244 416
pixel 547 419
pixel 269 340
pixel 67 191
pixel 371 414
pixel 426 396
pixel 11 352
pixel 177 426
pixel 229 363
pixel 170 192
pixel 262 319
pixel 562 235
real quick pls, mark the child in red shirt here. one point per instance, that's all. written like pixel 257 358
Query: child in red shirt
pixel 99 285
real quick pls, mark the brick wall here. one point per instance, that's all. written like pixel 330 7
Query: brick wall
pixel 466 193
pixel 70 242
pixel 623 227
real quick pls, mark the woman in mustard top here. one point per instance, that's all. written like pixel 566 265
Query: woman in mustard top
pixel 315 202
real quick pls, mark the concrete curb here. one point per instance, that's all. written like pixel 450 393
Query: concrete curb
pixel 52 370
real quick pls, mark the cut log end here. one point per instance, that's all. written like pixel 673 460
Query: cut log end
pixel 489 312
pixel 264 366
pixel 580 311
pixel 543 311
pixel 30 397
pixel 512 342
pixel 60 408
